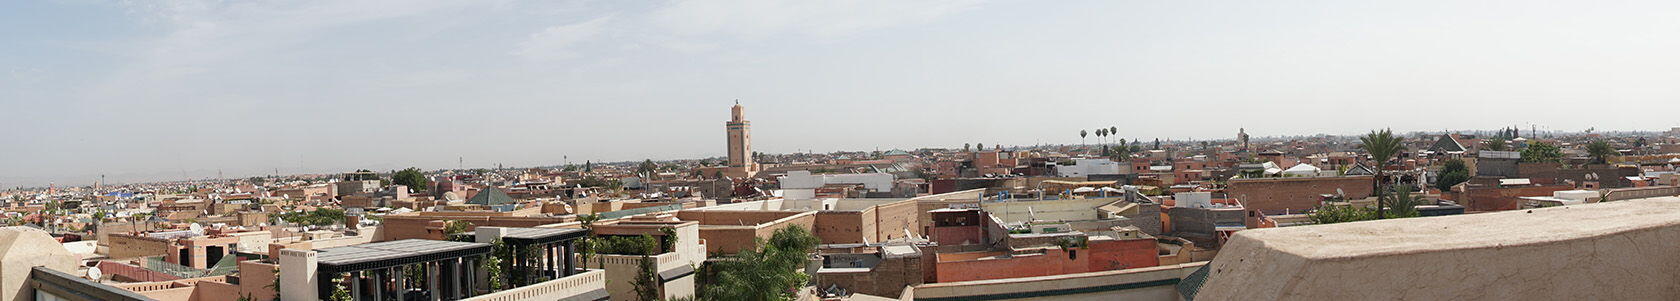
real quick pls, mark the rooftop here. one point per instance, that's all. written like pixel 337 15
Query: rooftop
pixel 1611 250
pixel 393 253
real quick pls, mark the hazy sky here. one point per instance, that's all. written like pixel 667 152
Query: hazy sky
pixel 149 90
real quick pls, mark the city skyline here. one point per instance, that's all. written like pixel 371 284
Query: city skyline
pixel 157 88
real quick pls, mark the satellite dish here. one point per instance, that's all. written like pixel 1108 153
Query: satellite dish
pixel 196 229
pixel 94 273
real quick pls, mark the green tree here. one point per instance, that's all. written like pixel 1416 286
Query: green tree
pixel 1402 203
pixel 1447 180
pixel 1498 145
pixel 1601 152
pixel 339 292
pixel 411 177
pixel 1542 152
pixel 492 267
pixel 772 272
pixel 1382 146
pixel 452 228
pixel 646 167
pixel 1453 173
pixel 980 147
pixel 1331 214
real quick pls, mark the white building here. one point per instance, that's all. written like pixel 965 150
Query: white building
pixel 802 185
pixel 1090 166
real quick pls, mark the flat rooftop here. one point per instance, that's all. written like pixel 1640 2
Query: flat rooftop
pixel 1471 231
pixel 394 253
pixel 1621 250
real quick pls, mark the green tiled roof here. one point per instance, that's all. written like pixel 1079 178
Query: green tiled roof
pixel 491 197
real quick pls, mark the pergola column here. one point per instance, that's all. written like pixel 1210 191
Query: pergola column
pixel 379 284
pixel 565 258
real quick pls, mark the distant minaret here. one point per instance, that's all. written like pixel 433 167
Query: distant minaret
pixel 740 143
pixel 1242 137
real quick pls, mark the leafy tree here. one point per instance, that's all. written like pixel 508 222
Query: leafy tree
pixel 451 228
pixel 319 217
pixel 1542 152
pixel 339 292
pixel 1402 203
pixel 980 146
pixel 646 167
pixel 646 282
pixel 1601 152
pixel 1453 173
pixel 1341 214
pixel 1447 180
pixel 1382 146
pixel 492 267
pixel 772 272
pixel 1498 145
pixel 411 177
pixel 965 147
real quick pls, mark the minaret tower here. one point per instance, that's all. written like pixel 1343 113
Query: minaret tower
pixel 740 144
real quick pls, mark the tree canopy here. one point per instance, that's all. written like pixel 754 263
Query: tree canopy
pixel 1542 152
pixel 1601 152
pixel 770 273
pixel 1453 173
pixel 319 217
pixel 411 177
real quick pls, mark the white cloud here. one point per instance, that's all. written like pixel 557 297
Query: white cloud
pixel 555 42
pixel 754 19
pixel 703 26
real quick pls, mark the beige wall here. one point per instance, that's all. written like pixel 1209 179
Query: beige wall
pixel 1066 210
pixel 21 250
pixel 1602 251
pixel 1158 285
pixel 124 246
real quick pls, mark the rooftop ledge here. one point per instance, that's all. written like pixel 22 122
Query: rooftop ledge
pixel 1625 249
pixel 1471 231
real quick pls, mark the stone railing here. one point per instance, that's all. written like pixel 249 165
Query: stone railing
pixel 666 261
pixel 1640 193
pixel 556 289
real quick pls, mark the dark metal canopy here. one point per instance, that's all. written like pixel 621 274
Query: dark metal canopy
pixel 394 253
pixel 534 236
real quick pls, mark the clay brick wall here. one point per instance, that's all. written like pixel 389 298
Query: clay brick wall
pixel 1270 194
pixel 1123 254
pixel 731 239
pixel 892 219
pixel 124 246
pixel 734 217
pixel 1506 198
pixel 887 278
pixel 1097 256
pixel 840 227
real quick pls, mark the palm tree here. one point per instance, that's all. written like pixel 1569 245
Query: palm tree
pixel 1112 130
pixel 1601 152
pixel 1100 134
pixel 1082 134
pixel 1382 145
